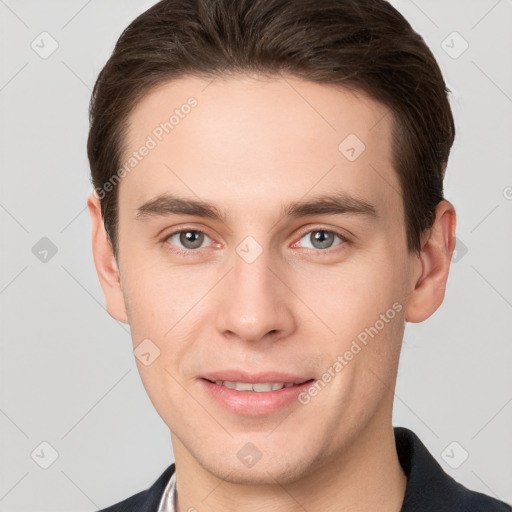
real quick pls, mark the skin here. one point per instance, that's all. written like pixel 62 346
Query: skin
pixel 250 146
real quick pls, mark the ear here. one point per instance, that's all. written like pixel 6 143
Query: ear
pixel 105 262
pixel 438 244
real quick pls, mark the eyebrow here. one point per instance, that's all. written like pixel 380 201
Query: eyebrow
pixel 329 204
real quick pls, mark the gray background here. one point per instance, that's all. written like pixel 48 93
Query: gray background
pixel 68 375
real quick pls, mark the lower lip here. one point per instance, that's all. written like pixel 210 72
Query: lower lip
pixel 253 403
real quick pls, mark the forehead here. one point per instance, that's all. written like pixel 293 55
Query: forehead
pixel 262 137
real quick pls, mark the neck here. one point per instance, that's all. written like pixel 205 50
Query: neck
pixel 364 477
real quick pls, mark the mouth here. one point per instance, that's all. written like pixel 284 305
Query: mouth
pixel 254 395
pixel 258 387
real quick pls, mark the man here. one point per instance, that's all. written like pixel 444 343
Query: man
pixel 268 213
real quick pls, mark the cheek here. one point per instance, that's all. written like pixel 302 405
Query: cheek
pixel 368 319
pixel 154 296
pixel 351 296
pixel 145 307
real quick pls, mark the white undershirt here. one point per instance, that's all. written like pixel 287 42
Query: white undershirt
pixel 168 501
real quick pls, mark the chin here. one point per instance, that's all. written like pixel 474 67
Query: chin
pixel 283 468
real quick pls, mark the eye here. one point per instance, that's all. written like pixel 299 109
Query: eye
pixel 191 239
pixel 188 239
pixel 322 238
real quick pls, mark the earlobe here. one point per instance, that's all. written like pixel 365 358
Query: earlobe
pixel 105 263
pixel 434 261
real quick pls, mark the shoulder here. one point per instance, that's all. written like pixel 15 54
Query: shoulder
pixel 147 500
pixel 430 488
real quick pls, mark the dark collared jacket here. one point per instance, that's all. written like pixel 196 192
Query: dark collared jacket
pixel 429 488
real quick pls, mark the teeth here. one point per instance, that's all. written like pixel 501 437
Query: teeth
pixel 262 387
pixel 241 386
pixel 259 387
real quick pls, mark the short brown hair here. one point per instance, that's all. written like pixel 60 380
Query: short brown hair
pixel 362 44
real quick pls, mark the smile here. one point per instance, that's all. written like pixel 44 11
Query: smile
pixel 258 387
pixel 265 395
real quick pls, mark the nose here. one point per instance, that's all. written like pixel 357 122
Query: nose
pixel 256 304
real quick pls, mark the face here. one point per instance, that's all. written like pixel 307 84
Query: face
pixel 262 242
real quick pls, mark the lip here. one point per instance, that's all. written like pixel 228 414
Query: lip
pixel 252 378
pixel 253 403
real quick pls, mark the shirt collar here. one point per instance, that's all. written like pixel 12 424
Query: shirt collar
pixel 168 501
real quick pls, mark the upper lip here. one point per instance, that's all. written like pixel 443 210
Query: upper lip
pixel 252 378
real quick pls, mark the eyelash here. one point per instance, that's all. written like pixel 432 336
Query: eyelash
pixel 192 252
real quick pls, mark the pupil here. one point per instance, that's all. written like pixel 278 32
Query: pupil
pixel 191 239
pixel 323 238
